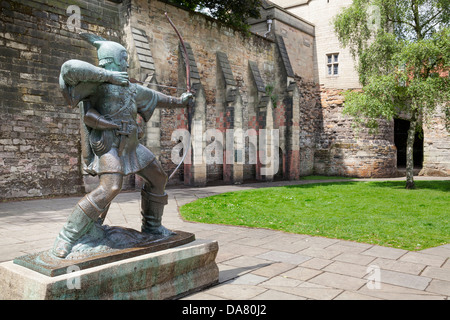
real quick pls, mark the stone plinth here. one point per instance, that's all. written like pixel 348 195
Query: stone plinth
pixel 166 274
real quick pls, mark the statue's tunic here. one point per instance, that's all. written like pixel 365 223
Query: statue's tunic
pixel 120 105
pixel 113 150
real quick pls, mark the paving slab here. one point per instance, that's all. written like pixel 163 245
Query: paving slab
pixel 252 263
pixel 277 295
pixel 355 258
pixel 279 281
pixel 345 268
pixel 301 273
pixel 423 258
pixel 446 264
pixel 436 273
pixel 399 266
pixel 248 279
pixel 309 292
pixel 274 269
pixel 350 295
pixel 286 257
pixel 392 292
pixel 404 279
pixel 316 263
pixel 242 249
pixel 339 281
pixel 384 252
pixel 320 252
pixel 439 287
pixel 202 296
pixel 235 291
pixel 344 247
pixel 285 246
pixel 319 242
pixel 227 272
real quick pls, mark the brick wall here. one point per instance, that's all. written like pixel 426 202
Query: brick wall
pixel 39 136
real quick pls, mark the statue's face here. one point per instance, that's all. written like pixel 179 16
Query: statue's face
pixel 121 65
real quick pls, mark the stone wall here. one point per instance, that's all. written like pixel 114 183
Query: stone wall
pixel 40 149
pixel 436 147
pixel 243 82
pixel 39 136
pixel 327 145
pixel 222 58
pixel 311 123
pixel 343 151
pixel 238 48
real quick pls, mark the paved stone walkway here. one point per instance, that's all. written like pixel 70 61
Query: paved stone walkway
pixel 254 263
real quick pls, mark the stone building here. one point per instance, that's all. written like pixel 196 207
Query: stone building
pixel 335 72
pixel 265 108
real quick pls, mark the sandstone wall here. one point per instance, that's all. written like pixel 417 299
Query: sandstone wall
pixel 39 143
pixel 343 151
pixel 436 147
pixel 243 110
pixel 39 136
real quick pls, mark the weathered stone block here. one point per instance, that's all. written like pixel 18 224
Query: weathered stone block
pixel 161 275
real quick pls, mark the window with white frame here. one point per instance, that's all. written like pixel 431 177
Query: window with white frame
pixel 333 64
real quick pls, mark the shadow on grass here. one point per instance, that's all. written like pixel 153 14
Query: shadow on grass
pixel 443 186
pixel 318 184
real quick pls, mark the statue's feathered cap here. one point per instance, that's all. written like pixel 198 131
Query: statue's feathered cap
pixel 107 51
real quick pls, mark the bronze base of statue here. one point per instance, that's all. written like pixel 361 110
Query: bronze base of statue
pixel 103 244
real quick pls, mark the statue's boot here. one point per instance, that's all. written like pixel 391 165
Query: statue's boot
pixel 78 224
pixel 103 214
pixel 152 208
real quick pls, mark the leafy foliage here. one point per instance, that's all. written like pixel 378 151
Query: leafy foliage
pixel 401 76
pixel 402 49
pixel 232 12
pixel 404 63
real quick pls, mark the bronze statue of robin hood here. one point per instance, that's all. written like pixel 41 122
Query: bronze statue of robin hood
pixel 109 105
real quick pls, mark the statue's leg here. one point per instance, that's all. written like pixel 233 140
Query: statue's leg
pixel 102 216
pixel 86 212
pixel 153 199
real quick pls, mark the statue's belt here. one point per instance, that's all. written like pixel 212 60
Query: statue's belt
pixel 123 134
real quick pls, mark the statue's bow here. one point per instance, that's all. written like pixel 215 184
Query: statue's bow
pixel 186 56
pixel 188 86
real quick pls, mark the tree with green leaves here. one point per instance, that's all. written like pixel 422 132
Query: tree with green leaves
pixel 402 54
pixel 234 13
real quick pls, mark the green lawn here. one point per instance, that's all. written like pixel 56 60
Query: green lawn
pixel 382 213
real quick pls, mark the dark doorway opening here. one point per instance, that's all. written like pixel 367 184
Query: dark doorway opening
pixel 280 173
pixel 400 139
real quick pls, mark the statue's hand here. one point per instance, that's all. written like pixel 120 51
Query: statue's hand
pixel 187 98
pixel 118 78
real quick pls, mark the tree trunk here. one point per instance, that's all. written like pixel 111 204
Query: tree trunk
pixel 410 153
